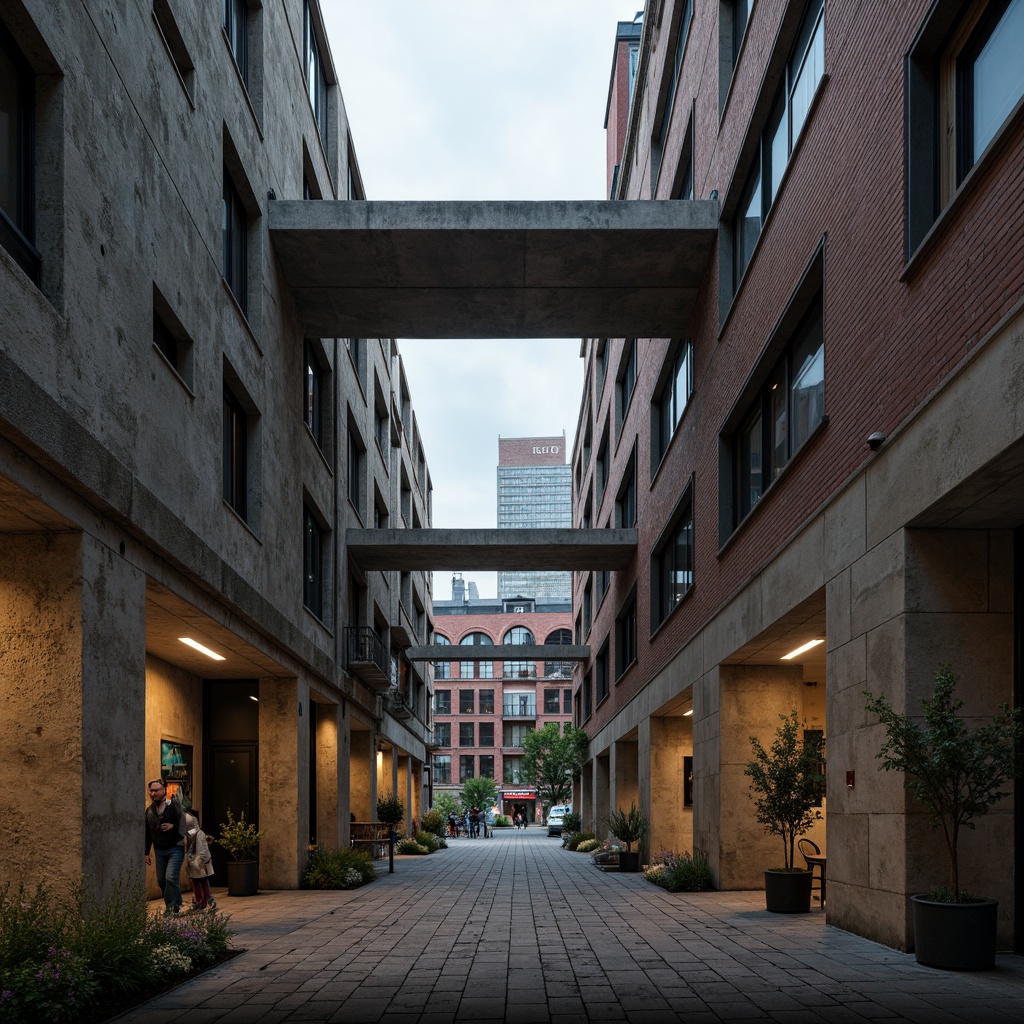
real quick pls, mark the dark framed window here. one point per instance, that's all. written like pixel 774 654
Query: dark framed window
pixel 466 702
pixel 518 635
pixel 513 733
pixel 486 734
pixel 356 464
pixel 316 81
pixel 236 243
pixel 485 670
pixel 512 771
pixel 566 701
pixel 442 702
pixel 588 696
pixel 312 562
pixel 442 769
pixel 601 673
pixel 313 393
pixel 588 607
pixel 625 503
pixel 601 474
pixel 551 702
pixel 792 103
pixel 236 28
pixel 625 636
pixel 467 767
pixel 486 701
pixel 443 734
pixel 487 764
pixel 672 398
pixel 672 561
pixel 467 732
pixel 17 162
pixel 625 383
pixel 235 453
pixel 171 339
pixel 682 33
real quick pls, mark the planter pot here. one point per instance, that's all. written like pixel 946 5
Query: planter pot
pixel 243 878
pixel 955 936
pixel 787 892
pixel 629 861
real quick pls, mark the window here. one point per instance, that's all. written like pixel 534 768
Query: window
pixel 512 771
pixel 465 670
pixel 733 16
pixel 790 107
pixel 672 562
pixel 17 165
pixel 626 381
pixel 442 702
pixel 672 396
pixel 236 28
pixel 356 468
pixel 487 764
pixel 520 705
pixel 467 767
pixel 601 473
pixel 567 701
pixel 312 562
pixel 442 769
pixel 625 503
pixel 683 186
pixel 477 640
pixel 312 404
pixel 551 702
pixel 236 243
pixel 625 637
pixel 588 701
pixel 486 734
pixel 782 415
pixel 466 702
pixel 316 80
pixel 514 733
pixel 682 32
pixel 443 734
pixel 171 339
pixel 485 669
pixel 964 82
pixel 486 701
pixel 601 673
pixel 466 734
pixel 442 669
pixel 558 669
pixel 588 607
pixel 176 48
pixel 235 453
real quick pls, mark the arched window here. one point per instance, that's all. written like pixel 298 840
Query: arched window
pixel 482 669
pixel 558 669
pixel 518 635
pixel 476 639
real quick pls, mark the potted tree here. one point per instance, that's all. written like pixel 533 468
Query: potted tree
pixel 628 827
pixel 787 784
pixel 390 812
pixel 957 775
pixel 241 839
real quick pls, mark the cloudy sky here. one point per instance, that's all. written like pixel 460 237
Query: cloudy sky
pixel 479 99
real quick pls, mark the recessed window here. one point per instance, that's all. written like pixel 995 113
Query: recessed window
pixel 467 767
pixel 601 468
pixel 442 702
pixel 443 734
pixel 316 79
pixel 17 165
pixel 442 769
pixel 625 503
pixel 672 561
pixel 235 453
pixel 236 28
pixel 625 636
pixel 171 339
pixel 176 48
pixel 486 734
pixel 313 550
pixel 466 702
pixel 486 699
pixel 672 397
pixel 681 29
pixel 601 673
pixel 512 771
pixel 626 381
pixel 588 696
pixel 487 760
pixel 466 731
pixel 356 467
pixel 235 233
pixel 313 396
pixel 552 703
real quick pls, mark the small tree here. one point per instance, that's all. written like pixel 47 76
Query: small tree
pixel 481 793
pixel 628 827
pixel 786 783
pixel 447 804
pixel 390 810
pixel 552 759
pixel 957 774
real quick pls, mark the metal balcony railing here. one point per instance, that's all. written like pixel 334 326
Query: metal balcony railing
pixel 366 657
pixel 519 710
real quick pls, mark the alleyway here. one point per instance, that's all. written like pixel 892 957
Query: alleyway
pixel 517 929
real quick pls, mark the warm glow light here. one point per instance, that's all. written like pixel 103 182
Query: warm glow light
pixel 201 649
pixel 686 714
pixel 800 650
pixel 251 697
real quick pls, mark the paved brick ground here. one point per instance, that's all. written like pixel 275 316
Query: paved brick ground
pixel 517 929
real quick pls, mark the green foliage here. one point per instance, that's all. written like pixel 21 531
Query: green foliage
pixel 682 872
pixel 447 803
pixel 240 838
pixel 390 810
pixel 337 869
pixel 628 827
pixel 956 773
pixel 502 821
pixel 552 758
pixel 588 845
pixel 572 822
pixel 429 840
pixel 786 782
pixel 434 822
pixel 480 793
pixel 573 842
pixel 411 846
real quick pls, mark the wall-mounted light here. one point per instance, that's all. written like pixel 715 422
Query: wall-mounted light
pixel 686 714
pixel 195 645
pixel 252 696
pixel 800 650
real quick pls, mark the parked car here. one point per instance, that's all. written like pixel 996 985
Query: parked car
pixel 556 816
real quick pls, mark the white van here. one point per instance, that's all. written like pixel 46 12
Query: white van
pixel 556 816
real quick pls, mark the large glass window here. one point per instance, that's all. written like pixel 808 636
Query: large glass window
pixel 313 563
pixel 235 453
pixel 442 702
pixel 467 767
pixel 466 702
pixel 442 769
pixel 466 734
pixel 443 734
pixel 672 563
pixel 442 669
pixel 625 637
pixel 487 766
pixel 236 28
pixel 17 194
pixel 312 405
pixel 512 771
pixel 316 81
pixel 551 702
pixel 513 733
pixel 486 701
pixel 486 734
pixel 520 705
pixel 601 674
pixel 235 232
pixel 671 401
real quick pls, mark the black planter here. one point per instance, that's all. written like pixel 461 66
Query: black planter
pixel 787 892
pixel 243 878
pixel 955 936
pixel 629 861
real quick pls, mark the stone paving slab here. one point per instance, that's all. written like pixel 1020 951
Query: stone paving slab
pixel 516 929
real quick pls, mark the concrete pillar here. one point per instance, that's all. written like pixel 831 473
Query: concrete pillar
pixel 583 795
pixel 624 775
pixel 72 629
pixel 403 769
pixel 283 781
pixel 671 822
pixel 362 775
pixel 332 783
pixel 602 790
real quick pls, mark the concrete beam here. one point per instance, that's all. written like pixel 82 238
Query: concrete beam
pixel 498 652
pixel 553 549
pixel 494 269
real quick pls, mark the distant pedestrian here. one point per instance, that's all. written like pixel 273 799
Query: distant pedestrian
pixel 198 863
pixel 474 822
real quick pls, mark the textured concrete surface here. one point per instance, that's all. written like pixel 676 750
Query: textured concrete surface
pixel 517 929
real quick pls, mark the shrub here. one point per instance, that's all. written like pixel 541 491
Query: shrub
pixel 572 822
pixel 682 872
pixel 573 842
pixel 429 840
pixel 411 846
pixel 390 810
pixel 589 845
pixel 434 822
pixel 337 869
pixel 502 821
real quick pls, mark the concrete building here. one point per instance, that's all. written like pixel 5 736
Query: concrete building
pixel 534 490
pixel 828 450
pixel 180 459
pixel 483 707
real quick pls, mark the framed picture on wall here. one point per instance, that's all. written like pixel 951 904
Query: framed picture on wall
pixel 176 770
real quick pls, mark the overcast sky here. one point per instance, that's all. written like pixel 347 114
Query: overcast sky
pixel 479 99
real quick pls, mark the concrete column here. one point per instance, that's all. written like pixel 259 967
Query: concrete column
pixel 707 775
pixel 283 781
pixel 625 774
pixel 583 794
pixel 403 768
pixel 671 822
pixel 602 785
pixel 332 785
pixel 362 775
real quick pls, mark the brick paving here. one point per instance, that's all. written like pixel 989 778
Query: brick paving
pixel 517 929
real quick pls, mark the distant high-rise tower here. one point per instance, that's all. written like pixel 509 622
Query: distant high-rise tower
pixel 534 490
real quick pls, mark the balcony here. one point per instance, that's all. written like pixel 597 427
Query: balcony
pixel 397 704
pixel 519 710
pixel 366 657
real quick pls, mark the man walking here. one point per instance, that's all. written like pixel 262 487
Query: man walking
pixel 164 836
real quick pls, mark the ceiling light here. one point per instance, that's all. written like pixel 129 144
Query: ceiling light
pixel 251 697
pixel 800 650
pixel 686 714
pixel 201 649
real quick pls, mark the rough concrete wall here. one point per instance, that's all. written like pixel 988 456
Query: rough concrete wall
pixel 362 766
pixel 329 791
pixel 602 790
pixel 671 822
pixel 41 761
pixel 625 786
